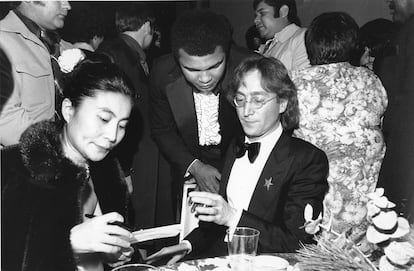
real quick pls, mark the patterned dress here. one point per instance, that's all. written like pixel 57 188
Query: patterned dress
pixel 340 112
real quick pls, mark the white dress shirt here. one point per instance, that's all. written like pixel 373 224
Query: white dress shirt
pixel 245 175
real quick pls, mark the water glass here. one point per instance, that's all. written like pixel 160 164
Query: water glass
pixel 242 247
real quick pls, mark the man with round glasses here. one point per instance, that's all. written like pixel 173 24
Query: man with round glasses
pixel 268 176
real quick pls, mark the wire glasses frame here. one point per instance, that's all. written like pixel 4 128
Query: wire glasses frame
pixel 255 103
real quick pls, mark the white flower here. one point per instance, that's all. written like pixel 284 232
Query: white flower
pixel 399 252
pixel 69 58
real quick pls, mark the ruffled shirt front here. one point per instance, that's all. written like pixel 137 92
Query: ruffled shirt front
pixel 207 107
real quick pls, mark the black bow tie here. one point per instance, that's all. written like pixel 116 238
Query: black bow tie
pixel 251 148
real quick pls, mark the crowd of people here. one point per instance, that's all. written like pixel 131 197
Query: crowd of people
pixel 315 116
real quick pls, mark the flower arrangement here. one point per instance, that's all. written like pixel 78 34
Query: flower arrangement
pixel 69 58
pixel 387 244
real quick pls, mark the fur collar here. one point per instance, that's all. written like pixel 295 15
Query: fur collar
pixel 42 155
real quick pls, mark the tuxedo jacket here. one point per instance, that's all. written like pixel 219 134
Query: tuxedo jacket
pixel 173 116
pixel 298 171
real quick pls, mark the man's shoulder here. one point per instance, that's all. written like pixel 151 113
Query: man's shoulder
pixel 238 53
pixel 110 45
pixel 301 146
pixel 165 66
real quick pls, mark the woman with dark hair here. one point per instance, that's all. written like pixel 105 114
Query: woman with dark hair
pixel 62 173
pixel 340 112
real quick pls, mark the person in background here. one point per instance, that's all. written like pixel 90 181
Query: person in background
pixel 278 24
pixel 376 38
pixel 61 171
pixel 341 107
pixel 138 153
pixel 267 186
pixel 27 37
pixel 86 27
pixel 253 39
pixel 397 171
pixel 191 121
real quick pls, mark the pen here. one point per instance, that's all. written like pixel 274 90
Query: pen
pixel 114 223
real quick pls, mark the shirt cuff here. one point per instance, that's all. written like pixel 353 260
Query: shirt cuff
pixel 234 222
pixel 187 173
pixel 188 245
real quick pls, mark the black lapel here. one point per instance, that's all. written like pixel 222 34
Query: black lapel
pixel 274 171
pixel 180 97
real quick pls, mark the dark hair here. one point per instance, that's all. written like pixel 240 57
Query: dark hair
pixel 377 35
pixel 96 74
pixel 275 79
pixel 252 34
pixel 131 16
pixel 87 22
pixel 277 4
pixel 332 37
pixel 199 32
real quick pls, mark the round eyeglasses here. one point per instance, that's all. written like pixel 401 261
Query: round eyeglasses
pixel 255 102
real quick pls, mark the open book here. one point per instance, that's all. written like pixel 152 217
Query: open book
pixel 156 233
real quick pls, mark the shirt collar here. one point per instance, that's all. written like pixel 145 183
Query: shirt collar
pixel 286 33
pixel 270 139
pixel 216 91
pixel 31 25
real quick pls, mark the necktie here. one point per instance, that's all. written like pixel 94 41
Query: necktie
pixel 51 39
pixel 251 148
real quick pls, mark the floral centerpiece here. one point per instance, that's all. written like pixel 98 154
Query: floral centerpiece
pixel 387 244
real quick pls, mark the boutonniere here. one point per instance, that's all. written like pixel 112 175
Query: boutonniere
pixel 69 58
pixel 268 183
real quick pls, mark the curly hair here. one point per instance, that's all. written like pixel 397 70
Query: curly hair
pixel 275 79
pixel 332 37
pixel 199 32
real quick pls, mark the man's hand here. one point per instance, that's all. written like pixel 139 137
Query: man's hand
pixel 212 208
pixel 176 252
pixel 206 176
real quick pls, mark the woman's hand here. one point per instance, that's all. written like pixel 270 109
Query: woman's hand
pixel 95 235
pixel 212 208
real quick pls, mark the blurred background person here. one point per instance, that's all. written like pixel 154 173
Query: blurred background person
pixel 340 112
pixel 28 37
pixel 253 39
pixel 85 26
pixel 62 171
pixel 397 171
pixel 376 39
pixel 278 23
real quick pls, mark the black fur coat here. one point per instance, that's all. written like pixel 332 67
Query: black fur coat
pixel 41 200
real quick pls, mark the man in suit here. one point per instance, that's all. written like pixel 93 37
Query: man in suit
pixel 24 40
pixel 192 122
pixel 268 186
pixel 397 171
pixel 138 153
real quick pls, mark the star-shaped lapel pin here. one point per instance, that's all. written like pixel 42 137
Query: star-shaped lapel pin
pixel 268 183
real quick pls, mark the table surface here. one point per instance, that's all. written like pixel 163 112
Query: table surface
pixel 218 263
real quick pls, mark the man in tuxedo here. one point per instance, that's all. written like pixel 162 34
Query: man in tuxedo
pixel 192 122
pixel 28 37
pixel 397 171
pixel 268 176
